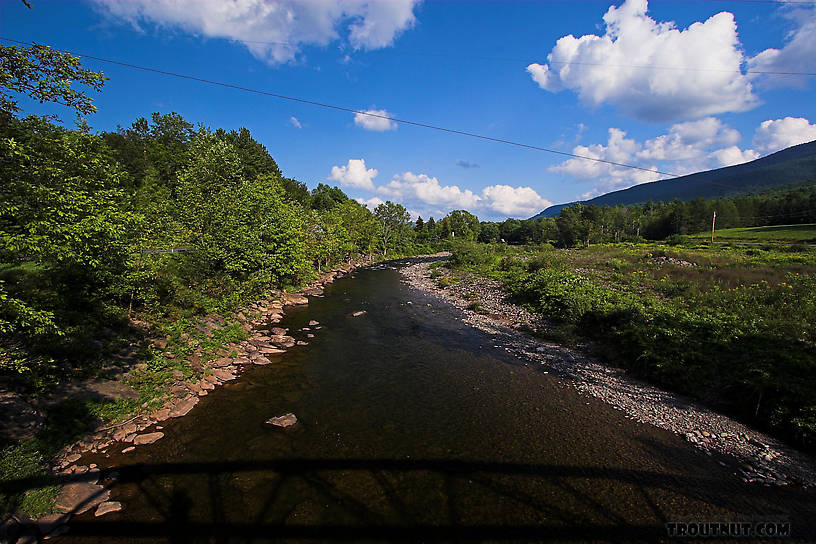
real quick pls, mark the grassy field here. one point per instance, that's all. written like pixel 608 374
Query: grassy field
pixel 777 233
pixel 732 326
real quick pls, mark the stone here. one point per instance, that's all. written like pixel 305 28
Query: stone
pixel 358 313
pixel 183 407
pixel 277 331
pixel 312 323
pixel 221 363
pixel 48 525
pixel 148 438
pixel 79 497
pixel 129 449
pixel 296 299
pixel 107 507
pixel 272 351
pixel 284 421
pixel 223 374
pixel 283 341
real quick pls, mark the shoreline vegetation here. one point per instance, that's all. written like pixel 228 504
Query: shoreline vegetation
pixel 486 304
pixel 186 366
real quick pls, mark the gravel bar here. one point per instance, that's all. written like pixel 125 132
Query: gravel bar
pixel 758 458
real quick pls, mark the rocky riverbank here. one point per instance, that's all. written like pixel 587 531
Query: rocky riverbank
pixel 756 457
pixel 86 487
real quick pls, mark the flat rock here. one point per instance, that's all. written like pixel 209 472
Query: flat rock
pixel 312 323
pixel 272 351
pixel 79 497
pixel 296 299
pixel 221 363
pixel 129 449
pixel 223 374
pixel 358 313
pixel 183 407
pixel 148 438
pixel 283 341
pixel 49 524
pixel 260 360
pixel 286 420
pixel 107 507
pixel 277 331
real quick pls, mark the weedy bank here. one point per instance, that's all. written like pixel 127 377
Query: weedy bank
pixel 731 326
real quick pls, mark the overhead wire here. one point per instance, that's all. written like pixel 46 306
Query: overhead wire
pixel 352 110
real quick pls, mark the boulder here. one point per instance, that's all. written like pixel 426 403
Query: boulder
pixel 283 341
pixel 223 374
pixel 184 406
pixel 79 497
pixel 296 299
pixel 284 421
pixel 221 363
pixel 107 507
pixel 50 524
pixel 148 438
pixel 260 360
pixel 277 331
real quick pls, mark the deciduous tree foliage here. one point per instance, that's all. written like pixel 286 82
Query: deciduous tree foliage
pixel 157 218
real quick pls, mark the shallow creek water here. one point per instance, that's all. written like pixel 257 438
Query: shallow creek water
pixel 413 425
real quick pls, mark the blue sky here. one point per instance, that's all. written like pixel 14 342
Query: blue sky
pixel 669 85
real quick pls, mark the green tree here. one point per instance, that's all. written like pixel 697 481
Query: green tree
pixel 392 220
pixel 463 224
pixel 44 75
pixel 64 228
pixel 489 233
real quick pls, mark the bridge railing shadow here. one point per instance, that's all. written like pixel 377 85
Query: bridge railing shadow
pixel 177 516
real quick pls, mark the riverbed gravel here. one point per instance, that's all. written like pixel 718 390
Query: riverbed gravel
pixel 754 456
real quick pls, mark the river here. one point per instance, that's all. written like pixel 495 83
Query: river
pixel 414 425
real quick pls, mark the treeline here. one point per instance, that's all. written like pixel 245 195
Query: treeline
pixel 581 225
pixel 157 219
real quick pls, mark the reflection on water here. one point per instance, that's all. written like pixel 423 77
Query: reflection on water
pixel 413 426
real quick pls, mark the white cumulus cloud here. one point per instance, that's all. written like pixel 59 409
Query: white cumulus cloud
pixel 410 187
pixel 295 122
pixel 640 66
pixel 776 134
pixel 370 203
pixel 275 30
pixel 354 174
pixel 512 201
pixel 375 120
pixel 686 148
pixel 795 56
pixel 425 192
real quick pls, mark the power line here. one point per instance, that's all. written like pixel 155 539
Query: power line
pixel 352 110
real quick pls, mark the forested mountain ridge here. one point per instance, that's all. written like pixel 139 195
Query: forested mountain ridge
pixel 792 165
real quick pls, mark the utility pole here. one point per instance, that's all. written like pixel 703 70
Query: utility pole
pixel 713 220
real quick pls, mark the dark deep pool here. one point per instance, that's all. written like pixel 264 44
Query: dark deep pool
pixel 414 426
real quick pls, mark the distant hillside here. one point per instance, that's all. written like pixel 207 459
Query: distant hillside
pixel 792 165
